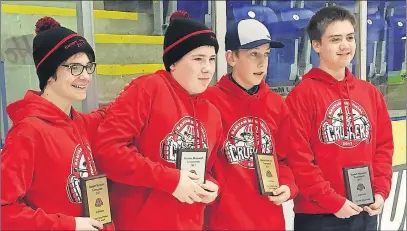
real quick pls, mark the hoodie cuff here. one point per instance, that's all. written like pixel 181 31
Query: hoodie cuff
pixel 169 180
pixel 384 195
pixel 65 223
pixel 331 202
pixel 293 190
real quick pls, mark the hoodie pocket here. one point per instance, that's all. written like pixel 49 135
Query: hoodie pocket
pixel 242 207
pixel 238 192
pixel 170 213
pixel 155 205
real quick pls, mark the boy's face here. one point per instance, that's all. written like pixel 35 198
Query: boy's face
pixel 69 86
pixel 195 70
pixel 337 46
pixel 249 65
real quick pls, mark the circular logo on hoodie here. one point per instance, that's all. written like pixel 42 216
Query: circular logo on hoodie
pixel 345 125
pixel 240 145
pixel 188 133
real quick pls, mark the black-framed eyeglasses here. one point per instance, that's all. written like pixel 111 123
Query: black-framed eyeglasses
pixel 77 68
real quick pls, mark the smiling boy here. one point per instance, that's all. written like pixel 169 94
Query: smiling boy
pixel 255 120
pixel 154 117
pixel 340 122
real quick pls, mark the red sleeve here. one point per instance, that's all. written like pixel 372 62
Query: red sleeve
pixel 282 149
pixel 214 156
pixel 383 156
pixel 217 150
pixel 309 178
pixel 95 118
pixel 92 121
pixel 17 169
pixel 114 151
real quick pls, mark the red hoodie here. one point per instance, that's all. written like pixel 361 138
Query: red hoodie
pixel 323 146
pixel 240 205
pixel 39 163
pixel 143 129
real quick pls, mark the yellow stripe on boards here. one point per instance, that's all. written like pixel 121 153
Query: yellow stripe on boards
pixel 128 39
pixel 69 12
pixel 127 69
pixel 399 137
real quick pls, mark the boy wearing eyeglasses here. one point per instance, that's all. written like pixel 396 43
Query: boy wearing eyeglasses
pixel 47 150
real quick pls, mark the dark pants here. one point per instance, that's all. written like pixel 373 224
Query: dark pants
pixel 329 222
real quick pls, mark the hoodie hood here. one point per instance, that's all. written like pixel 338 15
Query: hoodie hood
pixel 193 100
pixel 233 89
pixel 322 76
pixel 342 87
pixel 255 103
pixel 33 105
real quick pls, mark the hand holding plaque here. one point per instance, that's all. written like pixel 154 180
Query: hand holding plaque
pixel 212 190
pixel 187 190
pixel 280 195
pixel 348 209
pixel 358 185
pixel 95 194
pixel 87 223
pixel 266 171
pixel 377 207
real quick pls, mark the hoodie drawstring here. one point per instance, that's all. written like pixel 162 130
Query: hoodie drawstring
pixel 351 107
pixel 256 130
pixel 257 134
pixel 90 164
pixel 345 123
pixel 344 117
pixel 196 130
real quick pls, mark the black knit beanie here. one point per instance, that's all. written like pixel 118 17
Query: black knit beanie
pixel 183 35
pixel 54 44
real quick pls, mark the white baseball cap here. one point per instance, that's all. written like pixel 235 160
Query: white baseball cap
pixel 248 34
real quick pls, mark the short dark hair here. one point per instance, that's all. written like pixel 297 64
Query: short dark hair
pixel 320 20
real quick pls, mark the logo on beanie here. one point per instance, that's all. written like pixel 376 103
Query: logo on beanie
pixel 240 144
pixel 79 169
pixel 332 129
pixel 188 133
pixel 78 43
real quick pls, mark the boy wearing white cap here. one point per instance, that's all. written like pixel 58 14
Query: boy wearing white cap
pixel 255 121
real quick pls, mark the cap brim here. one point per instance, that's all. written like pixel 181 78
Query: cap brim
pixel 276 44
pixel 273 44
